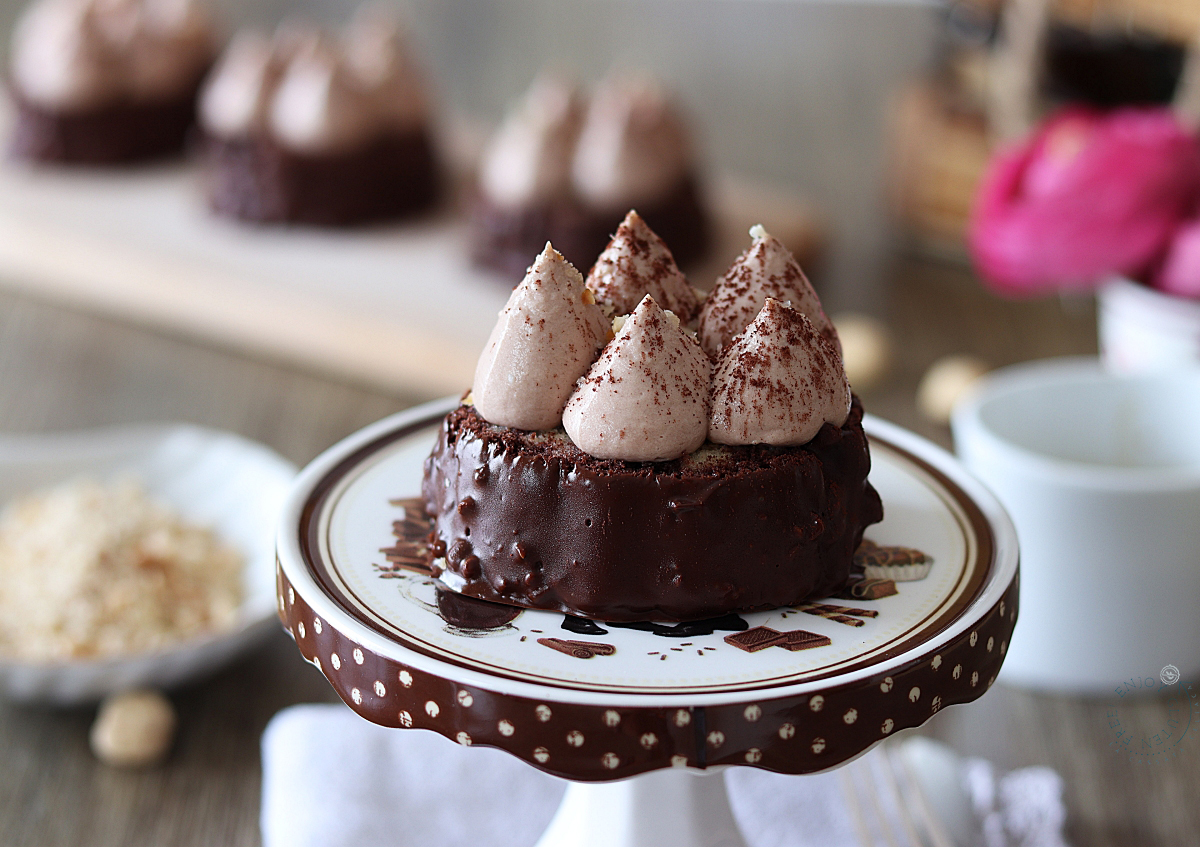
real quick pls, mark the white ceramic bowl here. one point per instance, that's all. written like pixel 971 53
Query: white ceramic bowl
pixel 211 478
pixel 1143 329
pixel 1101 475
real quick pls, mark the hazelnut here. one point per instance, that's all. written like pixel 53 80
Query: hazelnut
pixel 945 382
pixel 133 729
pixel 866 349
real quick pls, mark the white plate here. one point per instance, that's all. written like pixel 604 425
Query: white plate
pixel 211 478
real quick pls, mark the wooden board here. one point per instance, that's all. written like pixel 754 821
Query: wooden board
pixel 397 306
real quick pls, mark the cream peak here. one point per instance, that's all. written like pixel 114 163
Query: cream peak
pixel 765 269
pixel 320 104
pixel 646 398
pixel 548 334
pixel 528 160
pixel 633 149
pixel 778 382
pixel 636 263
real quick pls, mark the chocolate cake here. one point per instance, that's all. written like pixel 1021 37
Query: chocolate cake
pixel 628 474
pixel 305 127
pixel 527 518
pixel 107 83
pixel 563 170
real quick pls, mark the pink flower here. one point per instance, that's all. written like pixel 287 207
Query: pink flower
pixel 1180 273
pixel 1089 194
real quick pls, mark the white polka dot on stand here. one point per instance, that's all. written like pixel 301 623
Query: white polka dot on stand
pixel 716 738
pixel 356 696
pixel 957 672
pixel 1001 608
pixel 974 638
pixel 991 643
pixel 679 761
pixel 816 702
pixel 575 738
pixel 541 754
pixel 936 704
pixel 787 731
pixel 405 719
pixel 380 691
pixel 818 745
pixel 316 660
pixel 543 713
pixel 317 625
pixel 465 699
pixel 405 679
pixel 888 725
pixel 937 661
pixel 752 713
pixel 358 656
pixel 291 595
pixel 463 739
pixel 612 718
pixel 914 694
pixel 886 685
pixel 851 716
pixel 300 628
pixel 682 717
pixel 610 760
pixel 753 755
pixel 336 661
pixel 432 709
pixel 506 728
pixel 974 678
pixel 1003 647
pixel 648 740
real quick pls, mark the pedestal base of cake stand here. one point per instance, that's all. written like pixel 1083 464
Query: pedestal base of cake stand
pixel 666 808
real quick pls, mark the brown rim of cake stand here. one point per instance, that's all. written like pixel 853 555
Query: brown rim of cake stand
pixel 594 736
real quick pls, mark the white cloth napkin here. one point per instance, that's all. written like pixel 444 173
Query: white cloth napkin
pixel 332 779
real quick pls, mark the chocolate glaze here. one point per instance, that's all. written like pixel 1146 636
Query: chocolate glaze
pixel 536 522
pixel 117 134
pixel 469 613
pixel 504 239
pixel 256 179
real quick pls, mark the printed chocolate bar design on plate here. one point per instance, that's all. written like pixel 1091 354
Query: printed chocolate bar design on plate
pixel 578 649
pixel 411 550
pixel 867 589
pixel 754 639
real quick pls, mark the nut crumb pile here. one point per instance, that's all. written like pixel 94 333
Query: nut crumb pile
pixel 94 570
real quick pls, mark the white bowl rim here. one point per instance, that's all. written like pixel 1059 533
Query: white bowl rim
pixel 967 421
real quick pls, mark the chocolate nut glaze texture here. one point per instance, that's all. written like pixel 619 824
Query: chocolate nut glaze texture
pixel 528 519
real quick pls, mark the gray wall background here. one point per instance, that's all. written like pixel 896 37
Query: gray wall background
pixel 792 92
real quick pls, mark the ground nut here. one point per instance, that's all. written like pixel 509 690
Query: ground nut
pixel 133 729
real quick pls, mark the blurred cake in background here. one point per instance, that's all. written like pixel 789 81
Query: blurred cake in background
pixel 310 127
pixel 107 81
pixel 565 169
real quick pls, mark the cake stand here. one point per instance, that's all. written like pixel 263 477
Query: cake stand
pixel 638 719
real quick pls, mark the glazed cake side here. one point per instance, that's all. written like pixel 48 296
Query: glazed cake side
pixel 527 518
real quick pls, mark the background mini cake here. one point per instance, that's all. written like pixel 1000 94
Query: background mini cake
pixel 311 127
pixel 107 82
pixel 565 168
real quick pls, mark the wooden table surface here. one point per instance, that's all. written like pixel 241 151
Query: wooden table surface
pixel 67 370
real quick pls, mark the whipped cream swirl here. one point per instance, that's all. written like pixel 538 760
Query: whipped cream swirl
pixel 778 382
pixel 548 334
pixel 765 269
pixel 637 263
pixel 646 397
